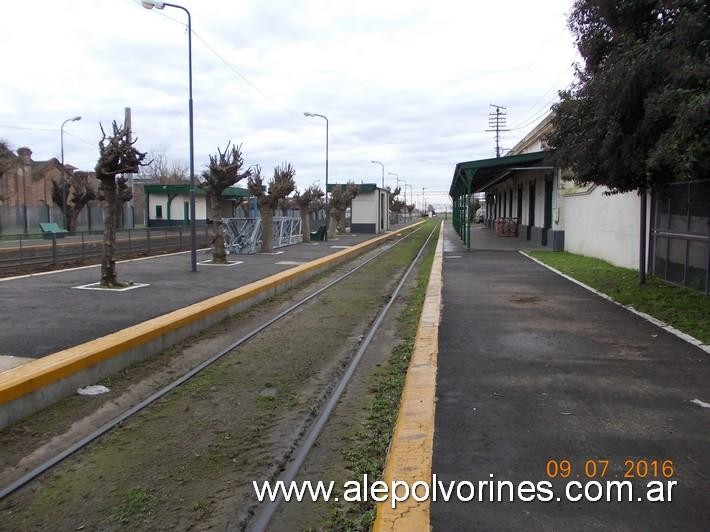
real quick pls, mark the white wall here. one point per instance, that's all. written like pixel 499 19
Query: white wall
pixel 176 207
pixel 364 208
pixel 606 227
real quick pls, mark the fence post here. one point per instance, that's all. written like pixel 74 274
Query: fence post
pixel 147 235
pixel 180 237
pixel 83 247
pixel 20 250
pixel 129 243
pixel 54 249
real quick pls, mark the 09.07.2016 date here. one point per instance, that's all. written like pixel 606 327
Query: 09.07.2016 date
pixel 600 468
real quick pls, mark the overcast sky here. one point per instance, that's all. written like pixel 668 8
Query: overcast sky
pixel 408 83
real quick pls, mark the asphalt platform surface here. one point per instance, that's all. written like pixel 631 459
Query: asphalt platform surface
pixel 534 368
pixel 44 313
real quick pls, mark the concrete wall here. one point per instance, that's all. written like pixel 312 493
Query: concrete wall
pixel 177 207
pixel 606 227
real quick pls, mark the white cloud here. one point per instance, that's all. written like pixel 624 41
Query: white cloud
pixel 405 82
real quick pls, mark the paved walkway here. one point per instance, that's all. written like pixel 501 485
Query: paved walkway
pixel 533 367
pixel 43 313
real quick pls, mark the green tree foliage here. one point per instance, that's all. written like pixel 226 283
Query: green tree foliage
pixel 638 114
pixel 224 171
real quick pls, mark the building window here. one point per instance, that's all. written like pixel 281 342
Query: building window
pixel 158 211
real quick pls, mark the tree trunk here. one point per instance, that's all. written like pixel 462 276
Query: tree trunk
pixel 219 254
pixel 305 224
pixel 332 223
pixel 108 262
pixel 267 229
pixel 72 215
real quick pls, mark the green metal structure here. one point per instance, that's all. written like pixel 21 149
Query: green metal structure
pixel 474 176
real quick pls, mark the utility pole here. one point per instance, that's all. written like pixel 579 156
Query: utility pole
pixel 127 125
pixel 496 121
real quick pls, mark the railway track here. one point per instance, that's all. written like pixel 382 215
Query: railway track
pixel 300 448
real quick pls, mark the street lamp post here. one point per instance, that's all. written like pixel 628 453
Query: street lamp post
pixel 64 181
pixel 309 115
pixel 150 4
pixel 383 171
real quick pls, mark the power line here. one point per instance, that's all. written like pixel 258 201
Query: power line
pixel 52 130
pixel 247 81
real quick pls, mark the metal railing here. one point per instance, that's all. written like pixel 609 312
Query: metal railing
pixel 23 254
pixel 243 235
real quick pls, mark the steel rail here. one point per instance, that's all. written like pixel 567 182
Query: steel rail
pixel 106 427
pixel 264 517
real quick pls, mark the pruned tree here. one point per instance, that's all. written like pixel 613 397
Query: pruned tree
pixel 117 156
pixel 280 186
pixel 410 209
pixel 306 201
pixel 340 199
pixel 224 171
pixel 393 198
pixel 73 197
pixel 638 114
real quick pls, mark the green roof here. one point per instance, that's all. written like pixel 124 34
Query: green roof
pixel 231 192
pixel 484 172
pixel 362 188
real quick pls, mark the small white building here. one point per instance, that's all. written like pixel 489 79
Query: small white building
pixel 170 204
pixel 369 209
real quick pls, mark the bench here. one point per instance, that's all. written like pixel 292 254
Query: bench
pixel 319 235
pixel 51 230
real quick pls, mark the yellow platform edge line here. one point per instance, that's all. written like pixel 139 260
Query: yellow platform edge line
pixel 410 454
pixel 35 375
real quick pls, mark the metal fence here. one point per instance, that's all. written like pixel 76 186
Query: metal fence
pixel 243 235
pixel 681 235
pixel 26 220
pixel 22 254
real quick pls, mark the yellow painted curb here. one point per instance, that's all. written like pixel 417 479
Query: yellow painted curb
pixel 27 378
pixel 410 454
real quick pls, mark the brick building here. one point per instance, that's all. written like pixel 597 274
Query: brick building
pixel 24 182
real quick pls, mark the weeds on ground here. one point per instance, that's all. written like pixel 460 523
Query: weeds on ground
pixel 138 501
pixel 680 307
pixel 367 453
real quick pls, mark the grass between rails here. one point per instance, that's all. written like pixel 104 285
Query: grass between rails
pixel 680 307
pixel 368 452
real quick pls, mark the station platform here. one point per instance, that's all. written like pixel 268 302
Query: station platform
pixel 533 368
pixel 528 378
pixel 45 313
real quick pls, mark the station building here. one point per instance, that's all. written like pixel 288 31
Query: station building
pixel 529 198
